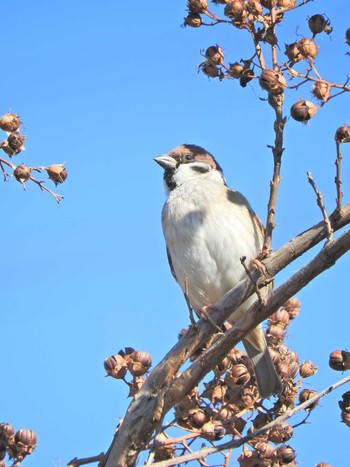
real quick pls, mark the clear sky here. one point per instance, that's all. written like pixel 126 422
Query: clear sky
pixel 105 87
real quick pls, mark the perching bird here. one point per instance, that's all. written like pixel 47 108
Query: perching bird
pixel 208 227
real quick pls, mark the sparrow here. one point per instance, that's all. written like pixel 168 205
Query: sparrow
pixel 208 227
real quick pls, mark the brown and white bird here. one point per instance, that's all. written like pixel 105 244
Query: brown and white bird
pixel 207 228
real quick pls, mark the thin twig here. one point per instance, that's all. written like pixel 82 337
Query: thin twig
pixel 320 203
pixel 86 460
pixel 338 181
pixel 277 151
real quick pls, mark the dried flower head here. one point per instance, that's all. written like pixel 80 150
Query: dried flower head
pixel 342 134
pixel 292 306
pixel 254 7
pixel 285 454
pixel 138 362
pixel 293 53
pixel 25 443
pixel 237 375
pixel 281 433
pixel 194 20
pixel 347 36
pixel 57 173
pixel 269 3
pixel 115 366
pixel 318 23
pixel 236 70
pixel 286 3
pixel 210 70
pixel 321 90
pixel 307 369
pixel 303 110
pixel 280 318
pixel 307 48
pixel 13 144
pixel 307 394
pixel 22 173
pixel 215 55
pixel 197 6
pixel 339 360
pixel 10 122
pixel 272 81
pixel 235 9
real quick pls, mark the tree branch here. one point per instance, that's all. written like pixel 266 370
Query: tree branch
pixel 148 406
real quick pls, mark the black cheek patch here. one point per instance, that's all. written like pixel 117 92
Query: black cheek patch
pixel 200 169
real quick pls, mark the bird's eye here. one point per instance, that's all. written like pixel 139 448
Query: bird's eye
pixel 188 157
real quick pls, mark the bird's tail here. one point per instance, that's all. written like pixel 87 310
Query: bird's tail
pixel 266 375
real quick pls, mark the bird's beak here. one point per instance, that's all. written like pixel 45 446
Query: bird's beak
pixel 166 161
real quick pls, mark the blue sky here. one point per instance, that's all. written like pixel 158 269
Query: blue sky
pixel 105 87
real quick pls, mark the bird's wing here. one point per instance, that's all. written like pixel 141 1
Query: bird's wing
pixel 171 264
pixel 238 198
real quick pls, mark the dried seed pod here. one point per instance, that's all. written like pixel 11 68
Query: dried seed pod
pixel 212 431
pixel 293 53
pixel 342 134
pixel 307 48
pixel 25 443
pixel 317 24
pixel 236 70
pixel 285 454
pixel 10 122
pixel 307 394
pixel 212 71
pixel 303 110
pixel 237 375
pixel 254 7
pixel 194 20
pixel 7 430
pixel 347 36
pixel 235 9
pixel 272 81
pixel 139 362
pixel 292 306
pixel 22 173
pixel 323 464
pixel 286 3
pixel 344 404
pixel 115 366
pixel 57 173
pixel 281 433
pixel 269 3
pixel 274 335
pixel 307 369
pixel 249 458
pixel 265 450
pixel 13 144
pixel 280 318
pixel 321 90
pixel 247 76
pixel 249 396
pixel 215 55
pixel 197 417
pixel 197 6
pixel 339 360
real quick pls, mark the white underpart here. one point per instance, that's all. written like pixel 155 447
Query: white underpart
pixel 206 235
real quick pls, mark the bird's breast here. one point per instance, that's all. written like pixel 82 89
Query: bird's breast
pixel 206 235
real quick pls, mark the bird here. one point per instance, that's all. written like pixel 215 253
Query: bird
pixel 208 228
